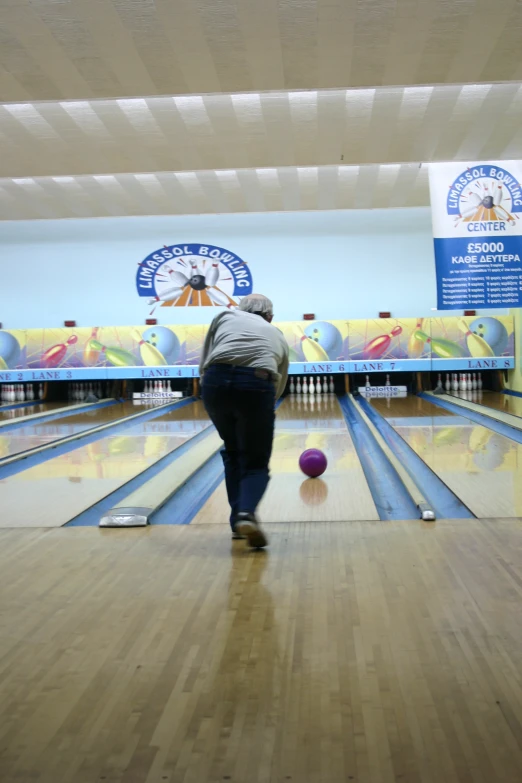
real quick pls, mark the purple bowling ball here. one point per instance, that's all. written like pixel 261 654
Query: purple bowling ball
pixel 313 463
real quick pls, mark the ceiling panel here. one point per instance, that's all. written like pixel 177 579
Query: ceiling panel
pixel 59 49
pixel 261 130
pixel 229 190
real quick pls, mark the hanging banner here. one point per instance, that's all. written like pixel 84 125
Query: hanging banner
pixel 477 228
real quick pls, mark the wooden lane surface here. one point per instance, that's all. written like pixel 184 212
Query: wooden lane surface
pixel 502 402
pixel 370 652
pixel 342 493
pixel 40 433
pixel 55 491
pixel 483 468
pixel 14 414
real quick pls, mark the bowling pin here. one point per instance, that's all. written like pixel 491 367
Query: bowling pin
pixel 477 346
pixel 474 382
pixel 331 387
pixel 311 389
pixel 445 349
pixel 212 275
pixel 41 392
pixel 379 345
pixel 325 385
pixel 463 383
pixel 305 386
pixel 367 383
pixel 90 356
pixel 387 381
pixel 455 382
pixel 292 385
pixel 177 277
pixel 313 352
pixel 170 293
pixel 116 356
pixel 55 355
pixel 416 343
pixel 218 297
pixel 318 386
pixel 498 196
pixel 447 385
pixel 298 385
pixel 479 382
pixel 151 356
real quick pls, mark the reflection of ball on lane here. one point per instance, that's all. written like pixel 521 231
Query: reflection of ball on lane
pixel 492 331
pixel 328 336
pixel 313 463
pixel 9 349
pixel 313 492
pixel 164 340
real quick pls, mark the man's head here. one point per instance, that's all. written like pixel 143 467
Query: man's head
pixel 258 305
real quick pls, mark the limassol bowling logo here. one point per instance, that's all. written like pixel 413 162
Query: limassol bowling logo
pixel 193 276
pixel 485 198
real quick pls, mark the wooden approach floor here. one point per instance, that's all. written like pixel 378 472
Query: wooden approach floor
pixel 370 652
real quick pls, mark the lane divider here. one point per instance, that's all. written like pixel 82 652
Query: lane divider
pixel 492 413
pixel 91 515
pixel 175 498
pixel 392 499
pixel 443 502
pixel 11 465
pixel 58 413
pixel 426 510
pixel 135 509
pixel 479 418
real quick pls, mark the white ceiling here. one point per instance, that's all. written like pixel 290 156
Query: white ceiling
pixel 238 110
pixel 231 190
pixel 326 127
pixel 57 49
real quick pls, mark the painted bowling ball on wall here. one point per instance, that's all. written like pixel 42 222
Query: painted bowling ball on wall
pixel 328 336
pixel 492 331
pixel 9 351
pixel 165 341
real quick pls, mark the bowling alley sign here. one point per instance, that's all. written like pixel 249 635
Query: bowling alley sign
pixel 477 230
pixel 193 275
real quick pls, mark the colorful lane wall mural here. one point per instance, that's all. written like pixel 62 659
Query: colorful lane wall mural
pixel 379 345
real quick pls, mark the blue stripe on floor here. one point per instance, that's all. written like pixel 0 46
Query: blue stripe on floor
pixel 83 440
pixel 92 515
pixel 390 496
pixel 444 502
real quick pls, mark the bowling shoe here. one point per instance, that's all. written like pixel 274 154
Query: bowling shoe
pixel 236 536
pixel 248 526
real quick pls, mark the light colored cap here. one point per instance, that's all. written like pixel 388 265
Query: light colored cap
pixel 257 303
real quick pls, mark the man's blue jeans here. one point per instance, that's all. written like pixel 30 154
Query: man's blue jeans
pixel 240 401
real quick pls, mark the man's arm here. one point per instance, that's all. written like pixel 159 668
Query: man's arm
pixel 283 370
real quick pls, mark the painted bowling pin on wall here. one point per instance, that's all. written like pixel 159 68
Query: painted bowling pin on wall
pixel 150 355
pixel 377 347
pixel 416 342
pixel 312 351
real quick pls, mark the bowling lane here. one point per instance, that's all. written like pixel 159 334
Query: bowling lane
pixel 483 468
pixel 341 494
pixel 41 433
pixel 506 403
pixel 52 493
pixel 13 414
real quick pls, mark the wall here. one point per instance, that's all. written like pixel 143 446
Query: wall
pixel 345 264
